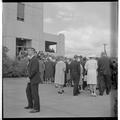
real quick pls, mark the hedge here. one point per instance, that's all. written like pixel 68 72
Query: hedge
pixel 13 68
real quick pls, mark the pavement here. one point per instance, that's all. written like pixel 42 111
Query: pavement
pixel 53 104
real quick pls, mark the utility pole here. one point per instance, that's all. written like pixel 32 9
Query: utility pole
pixel 105 49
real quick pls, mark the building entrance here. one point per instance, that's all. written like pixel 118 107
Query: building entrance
pixel 21 45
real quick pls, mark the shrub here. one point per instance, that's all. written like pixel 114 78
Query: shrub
pixel 13 68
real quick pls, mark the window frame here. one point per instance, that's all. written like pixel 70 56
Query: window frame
pixel 18 16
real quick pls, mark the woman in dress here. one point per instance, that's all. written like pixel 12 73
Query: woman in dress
pixel 60 75
pixel 91 68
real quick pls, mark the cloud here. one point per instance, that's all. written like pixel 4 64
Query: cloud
pixel 64 15
pixel 65 10
pixel 86 26
pixel 69 6
pixel 85 41
pixel 48 20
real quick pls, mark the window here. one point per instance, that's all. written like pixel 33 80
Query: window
pixel 21 45
pixel 50 46
pixel 20 11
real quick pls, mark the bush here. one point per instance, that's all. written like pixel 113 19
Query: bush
pixel 13 68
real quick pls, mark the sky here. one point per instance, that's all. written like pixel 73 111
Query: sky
pixel 86 26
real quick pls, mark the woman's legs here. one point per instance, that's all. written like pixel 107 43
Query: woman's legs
pixel 90 87
pixel 94 89
pixel 60 89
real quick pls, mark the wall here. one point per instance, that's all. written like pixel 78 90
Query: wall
pixel 59 39
pixel 31 28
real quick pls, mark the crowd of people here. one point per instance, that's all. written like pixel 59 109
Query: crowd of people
pixel 79 72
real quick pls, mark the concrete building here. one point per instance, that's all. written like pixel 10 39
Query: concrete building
pixel 23 27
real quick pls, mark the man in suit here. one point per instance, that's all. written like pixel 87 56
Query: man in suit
pixel 104 74
pixel 75 74
pixel 33 85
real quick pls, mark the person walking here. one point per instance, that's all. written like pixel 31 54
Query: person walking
pixel 53 61
pixel 49 70
pixel 84 60
pixel 114 73
pixel 91 68
pixel 69 81
pixel 75 75
pixel 104 74
pixel 60 74
pixel 32 87
pixel 81 78
pixel 66 72
pixel 41 69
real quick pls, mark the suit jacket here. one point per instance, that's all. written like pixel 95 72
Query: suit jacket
pixel 33 71
pixel 41 66
pixel 104 66
pixel 75 69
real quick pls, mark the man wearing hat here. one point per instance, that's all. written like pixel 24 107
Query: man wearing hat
pixel 32 86
pixel 75 74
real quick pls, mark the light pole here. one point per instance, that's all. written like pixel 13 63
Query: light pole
pixel 105 49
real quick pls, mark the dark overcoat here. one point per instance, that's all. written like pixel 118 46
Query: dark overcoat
pixel 49 69
pixel 33 71
pixel 104 65
pixel 75 69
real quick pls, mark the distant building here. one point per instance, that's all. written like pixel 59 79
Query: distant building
pixel 23 27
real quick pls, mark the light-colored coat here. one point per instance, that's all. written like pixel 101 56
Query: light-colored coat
pixel 91 67
pixel 60 73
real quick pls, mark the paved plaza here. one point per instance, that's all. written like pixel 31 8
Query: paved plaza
pixel 52 103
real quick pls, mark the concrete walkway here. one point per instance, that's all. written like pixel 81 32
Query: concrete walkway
pixel 52 104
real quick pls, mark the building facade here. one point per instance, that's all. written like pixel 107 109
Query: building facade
pixel 23 27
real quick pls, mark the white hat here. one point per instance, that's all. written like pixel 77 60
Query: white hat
pixel 92 55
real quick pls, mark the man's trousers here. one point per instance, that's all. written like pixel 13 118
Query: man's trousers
pixel 75 79
pixel 33 96
pixel 104 82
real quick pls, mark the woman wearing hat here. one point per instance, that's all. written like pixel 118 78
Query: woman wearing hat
pixel 91 67
pixel 60 74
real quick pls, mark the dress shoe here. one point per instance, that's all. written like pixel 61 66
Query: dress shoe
pixel 101 94
pixel 75 94
pixel 62 90
pixel 59 92
pixel 28 107
pixel 94 95
pixel 107 93
pixel 56 86
pixel 34 111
